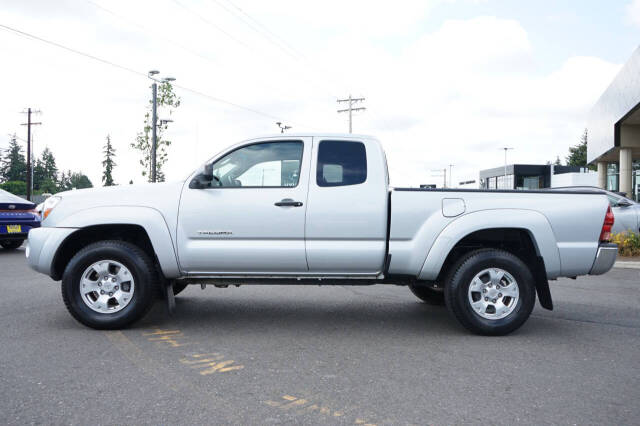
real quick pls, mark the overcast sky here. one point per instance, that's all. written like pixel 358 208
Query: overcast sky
pixel 445 81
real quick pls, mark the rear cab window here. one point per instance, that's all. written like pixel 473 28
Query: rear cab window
pixel 341 163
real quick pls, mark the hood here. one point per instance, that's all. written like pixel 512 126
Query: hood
pixel 163 197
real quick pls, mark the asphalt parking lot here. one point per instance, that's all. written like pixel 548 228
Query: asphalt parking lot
pixel 319 355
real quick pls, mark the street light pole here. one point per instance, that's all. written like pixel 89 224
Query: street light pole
pixel 154 124
pixel 154 119
pixel 505 159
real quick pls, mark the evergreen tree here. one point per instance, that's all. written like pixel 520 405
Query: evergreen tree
pixel 13 166
pixel 45 171
pixel 108 164
pixel 64 184
pixel 166 98
pixel 557 162
pixel 578 154
pixel 79 180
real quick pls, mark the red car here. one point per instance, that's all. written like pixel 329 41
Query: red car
pixel 17 217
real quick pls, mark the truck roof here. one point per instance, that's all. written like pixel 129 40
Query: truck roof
pixel 313 134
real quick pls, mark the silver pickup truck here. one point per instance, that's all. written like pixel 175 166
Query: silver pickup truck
pixel 317 209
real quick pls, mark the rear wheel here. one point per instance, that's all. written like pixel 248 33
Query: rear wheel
pixel 427 294
pixel 490 292
pixel 11 244
pixel 109 284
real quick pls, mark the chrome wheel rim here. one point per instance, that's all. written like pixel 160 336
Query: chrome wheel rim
pixel 493 293
pixel 107 286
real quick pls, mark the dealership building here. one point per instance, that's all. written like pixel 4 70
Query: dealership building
pixel 531 176
pixel 614 131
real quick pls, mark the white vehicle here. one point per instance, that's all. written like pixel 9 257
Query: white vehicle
pixel 317 209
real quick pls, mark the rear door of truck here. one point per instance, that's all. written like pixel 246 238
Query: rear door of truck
pixel 346 217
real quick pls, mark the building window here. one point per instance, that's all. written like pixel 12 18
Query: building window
pixel 613 177
pixel 530 182
pixel 504 182
pixel 635 178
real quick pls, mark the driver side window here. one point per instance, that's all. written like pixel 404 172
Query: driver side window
pixel 268 164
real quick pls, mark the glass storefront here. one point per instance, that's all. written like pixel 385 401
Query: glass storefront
pixel 612 177
pixel 504 182
pixel 530 182
pixel 635 180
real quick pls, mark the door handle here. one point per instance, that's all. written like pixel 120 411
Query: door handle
pixel 288 202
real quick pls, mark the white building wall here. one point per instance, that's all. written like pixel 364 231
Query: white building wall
pixel 574 179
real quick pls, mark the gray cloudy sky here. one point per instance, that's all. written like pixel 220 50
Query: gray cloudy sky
pixel 446 81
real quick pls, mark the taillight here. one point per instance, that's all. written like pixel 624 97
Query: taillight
pixel 605 234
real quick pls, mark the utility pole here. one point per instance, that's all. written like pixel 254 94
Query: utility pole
pixel 451 175
pixel 350 109
pixel 154 118
pixel 29 168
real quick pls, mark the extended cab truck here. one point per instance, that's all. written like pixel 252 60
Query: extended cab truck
pixel 317 209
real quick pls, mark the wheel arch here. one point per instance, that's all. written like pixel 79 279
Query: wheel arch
pixel 526 234
pixel 145 227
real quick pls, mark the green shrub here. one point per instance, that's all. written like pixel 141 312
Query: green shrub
pixel 628 243
pixel 15 187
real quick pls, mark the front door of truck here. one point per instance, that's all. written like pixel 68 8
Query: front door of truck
pixel 250 219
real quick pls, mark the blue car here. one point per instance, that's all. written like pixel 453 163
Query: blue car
pixel 17 217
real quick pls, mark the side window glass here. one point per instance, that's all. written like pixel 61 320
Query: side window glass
pixel 613 201
pixel 341 163
pixel 269 164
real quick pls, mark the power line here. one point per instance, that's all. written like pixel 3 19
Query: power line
pixel 187 49
pixel 212 24
pixel 263 31
pixel 245 45
pixel 281 42
pixel 131 70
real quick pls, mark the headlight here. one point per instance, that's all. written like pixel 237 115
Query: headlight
pixel 49 205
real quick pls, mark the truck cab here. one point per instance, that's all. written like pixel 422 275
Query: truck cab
pixel 312 205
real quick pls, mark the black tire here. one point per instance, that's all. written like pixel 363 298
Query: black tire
pixel 178 287
pixel 457 288
pixel 428 295
pixel 11 244
pixel 144 275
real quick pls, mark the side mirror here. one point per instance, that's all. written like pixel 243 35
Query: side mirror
pixel 207 172
pixel 204 178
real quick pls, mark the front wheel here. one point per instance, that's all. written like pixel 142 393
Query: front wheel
pixel 490 292
pixel 109 284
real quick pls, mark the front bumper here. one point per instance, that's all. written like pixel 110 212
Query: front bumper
pixel 42 245
pixel 605 258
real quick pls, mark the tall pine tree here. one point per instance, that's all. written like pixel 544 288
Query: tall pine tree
pixel 45 173
pixel 13 166
pixel 578 154
pixel 108 164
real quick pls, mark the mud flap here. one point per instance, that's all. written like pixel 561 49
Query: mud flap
pixel 169 297
pixel 542 285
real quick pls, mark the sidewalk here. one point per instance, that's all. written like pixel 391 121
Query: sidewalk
pixel 627 262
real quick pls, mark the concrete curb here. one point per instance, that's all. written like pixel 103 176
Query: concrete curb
pixel 626 264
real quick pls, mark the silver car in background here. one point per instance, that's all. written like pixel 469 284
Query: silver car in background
pixel 625 210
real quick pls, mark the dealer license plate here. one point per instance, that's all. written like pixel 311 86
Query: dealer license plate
pixel 14 229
